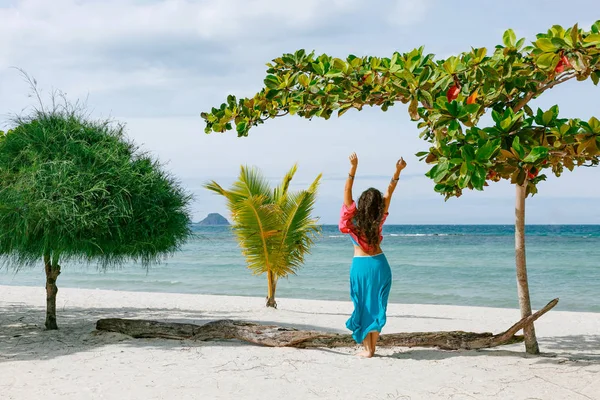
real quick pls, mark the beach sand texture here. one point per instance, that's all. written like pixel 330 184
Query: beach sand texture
pixel 77 362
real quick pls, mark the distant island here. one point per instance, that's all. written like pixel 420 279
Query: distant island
pixel 214 219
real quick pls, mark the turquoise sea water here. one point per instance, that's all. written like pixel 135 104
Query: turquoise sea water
pixel 431 264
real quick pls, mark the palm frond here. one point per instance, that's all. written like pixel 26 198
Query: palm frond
pixel 251 182
pixel 280 192
pixel 233 198
pixel 215 187
pixel 256 226
pixel 298 230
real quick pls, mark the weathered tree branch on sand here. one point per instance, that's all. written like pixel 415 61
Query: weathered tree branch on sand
pixel 276 336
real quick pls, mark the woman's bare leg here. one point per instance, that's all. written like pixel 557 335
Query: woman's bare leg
pixel 367 352
pixel 374 336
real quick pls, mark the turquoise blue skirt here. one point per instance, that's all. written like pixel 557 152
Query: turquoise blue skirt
pixel 370 283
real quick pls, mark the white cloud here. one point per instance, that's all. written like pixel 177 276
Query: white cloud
pixel 93 22
pixel 101 46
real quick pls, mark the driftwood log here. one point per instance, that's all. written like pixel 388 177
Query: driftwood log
pixel 276 336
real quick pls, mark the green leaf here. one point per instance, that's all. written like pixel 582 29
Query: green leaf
pixel 509 38
pixel 472 108
pixel 545 45
pixel 241 127
pixel 594 125
pixel 468 153
pixel 506 123
pixel 339 64
pixel 427 97
pixel 464 180
pixel 548 117
pixel 356 62
pixel 595 77
pixel 272 93
pixel 520 43
pixel 536 154
pixel 272 82
pixel 547 61
pixel 440 172
pixel 575 35
pixel 343 109
pixel 478 178
pixel 518 148
pixel 453 126
pixel 486 151
pixel 304 80
pixel 425 74
pixel 450 64
pixel 496 116
pixel 318 68
pixel 559 43
pixel 412 109
pixel 592 39
pixel 333 73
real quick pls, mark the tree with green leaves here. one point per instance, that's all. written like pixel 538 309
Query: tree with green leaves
pixel 274 227
pixel 75 189
pixel 448 98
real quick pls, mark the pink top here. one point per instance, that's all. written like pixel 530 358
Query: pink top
pixel 347 226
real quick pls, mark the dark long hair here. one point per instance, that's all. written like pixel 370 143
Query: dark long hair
pixel 369 213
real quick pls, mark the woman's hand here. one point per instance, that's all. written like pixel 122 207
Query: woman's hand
pixel 401 164
pixel 353 160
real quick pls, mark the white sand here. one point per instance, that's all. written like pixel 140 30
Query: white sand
pixel 78 363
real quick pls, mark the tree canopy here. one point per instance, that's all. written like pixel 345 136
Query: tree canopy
pixel 75 188
pixel 448 98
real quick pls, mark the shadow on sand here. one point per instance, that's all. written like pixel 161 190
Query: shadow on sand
pixel 23 337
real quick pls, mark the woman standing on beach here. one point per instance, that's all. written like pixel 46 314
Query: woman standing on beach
pixel 370 274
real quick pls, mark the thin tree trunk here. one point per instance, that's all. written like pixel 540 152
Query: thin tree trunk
pixel 531 344
pixel 52 272
pixel 272 285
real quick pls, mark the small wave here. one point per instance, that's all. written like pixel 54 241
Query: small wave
pixel 336 236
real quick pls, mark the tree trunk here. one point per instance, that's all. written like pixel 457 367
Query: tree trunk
pixel 531 344
pixel 277 336
pixel 52 272
pixel 272 285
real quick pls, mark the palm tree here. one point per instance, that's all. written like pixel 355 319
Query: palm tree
pixel 274 226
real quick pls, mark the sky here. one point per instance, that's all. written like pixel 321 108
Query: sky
pixel 155 65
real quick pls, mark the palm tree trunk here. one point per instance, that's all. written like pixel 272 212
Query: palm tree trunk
pixel 272 285
pixel 52 272
pixel 531 344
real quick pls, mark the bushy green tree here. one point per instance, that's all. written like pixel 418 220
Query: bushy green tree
pixel 274 227
pixel 448 98
pixel 73 188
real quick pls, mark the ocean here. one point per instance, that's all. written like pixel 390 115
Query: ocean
pixel 471 265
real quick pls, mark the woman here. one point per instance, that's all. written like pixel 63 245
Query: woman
pixel 370 274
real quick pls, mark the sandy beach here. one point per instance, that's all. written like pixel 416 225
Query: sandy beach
pixel 77 362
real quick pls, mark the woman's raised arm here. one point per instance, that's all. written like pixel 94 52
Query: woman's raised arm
pixel 348 200
pixel 387 197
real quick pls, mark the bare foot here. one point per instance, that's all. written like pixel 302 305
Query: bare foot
pixel 365 354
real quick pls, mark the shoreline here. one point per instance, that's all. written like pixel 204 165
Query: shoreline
pixel 78 362
pixel 149 292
